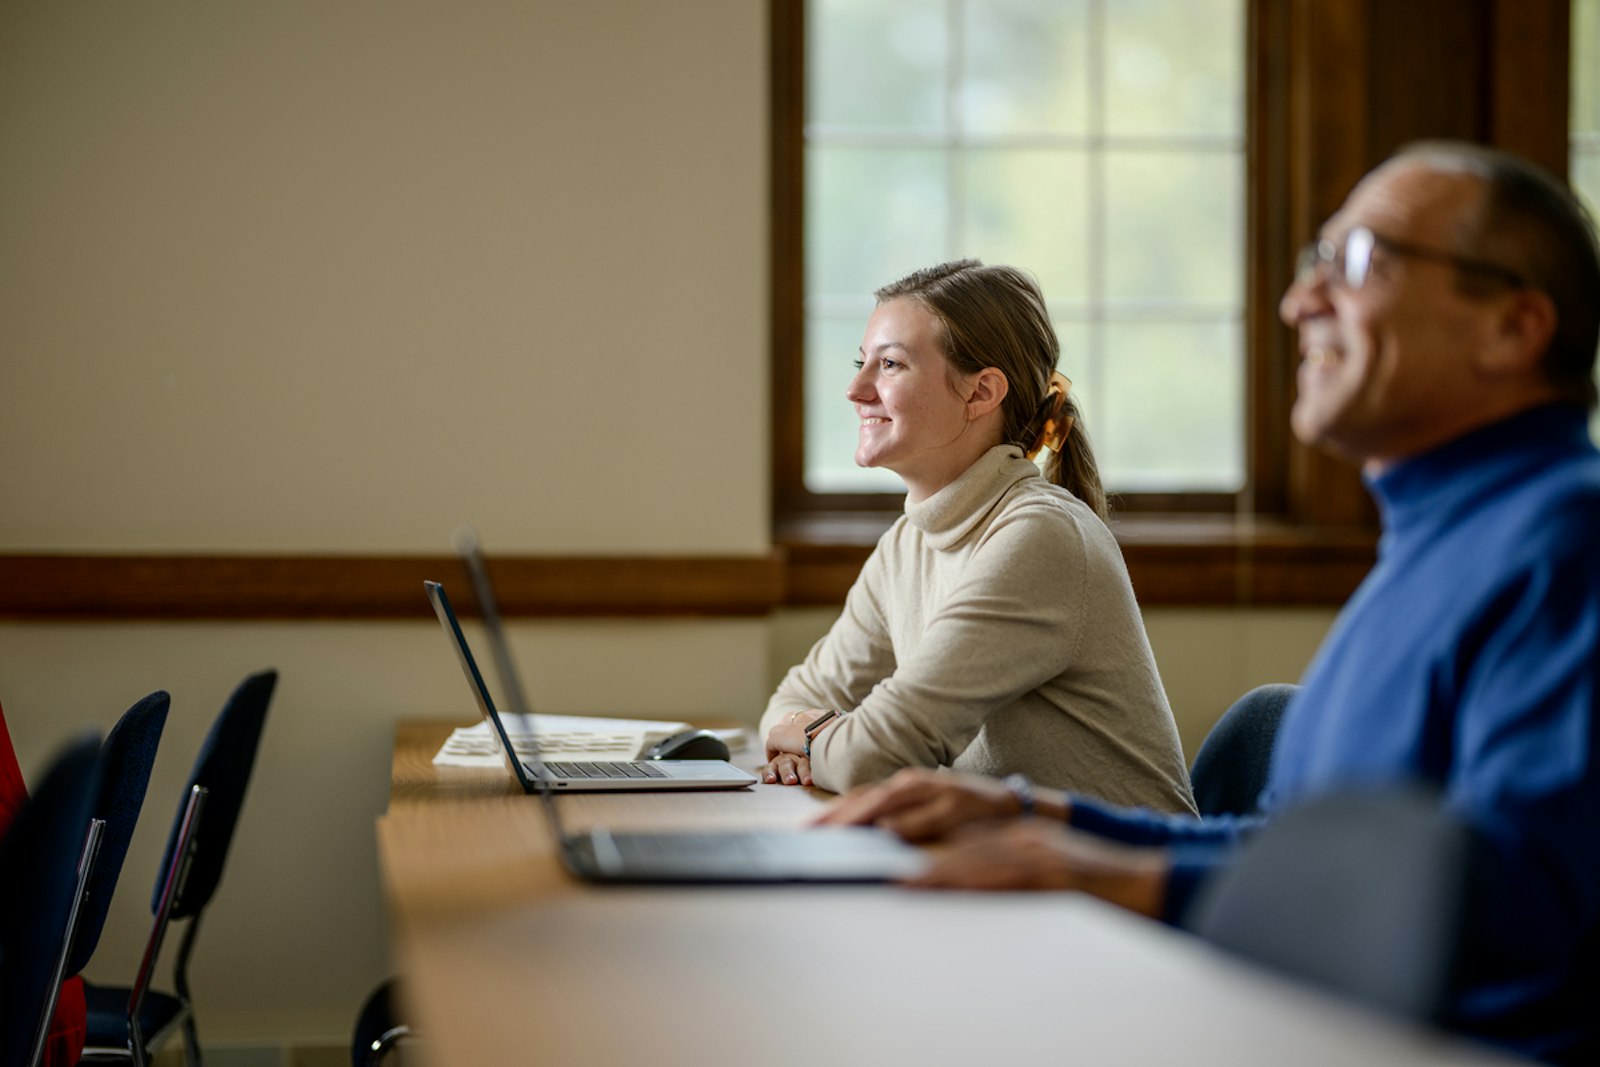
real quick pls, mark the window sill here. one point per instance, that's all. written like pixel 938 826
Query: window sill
pixel 1174 560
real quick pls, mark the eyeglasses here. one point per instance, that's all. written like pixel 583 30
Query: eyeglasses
pixel 1351 262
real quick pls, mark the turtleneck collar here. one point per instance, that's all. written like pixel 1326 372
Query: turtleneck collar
pixel 954 511
pixel 1433 489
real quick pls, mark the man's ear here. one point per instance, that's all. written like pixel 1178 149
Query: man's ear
pixel 985 391
pixel 1523 329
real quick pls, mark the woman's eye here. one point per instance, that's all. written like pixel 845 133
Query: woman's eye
pixel 857 364
pixel 888 364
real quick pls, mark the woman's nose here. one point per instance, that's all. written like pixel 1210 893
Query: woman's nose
pixel 860 387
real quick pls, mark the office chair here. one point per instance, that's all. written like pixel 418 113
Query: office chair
pixel 378 1029
pixel 127 1023
pixel 1367 894
pixel 126 760
pixel 42 874
pixel 1230 770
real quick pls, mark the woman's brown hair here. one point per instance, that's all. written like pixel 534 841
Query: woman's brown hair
pixel 996 317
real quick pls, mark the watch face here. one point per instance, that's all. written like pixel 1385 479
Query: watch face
pixel 816 724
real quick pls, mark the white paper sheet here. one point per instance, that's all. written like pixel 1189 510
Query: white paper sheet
pixel 567 737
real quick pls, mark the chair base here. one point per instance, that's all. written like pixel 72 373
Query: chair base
pixel 109 1038
pixel 377 1030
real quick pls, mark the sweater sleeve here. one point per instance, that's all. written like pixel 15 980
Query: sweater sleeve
pixel 1141 826
pixel 1198 847
pixel 1010 623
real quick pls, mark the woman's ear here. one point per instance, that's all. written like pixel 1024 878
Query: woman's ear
pixel 985 391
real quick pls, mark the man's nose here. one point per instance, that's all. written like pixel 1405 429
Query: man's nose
pixel 1307 295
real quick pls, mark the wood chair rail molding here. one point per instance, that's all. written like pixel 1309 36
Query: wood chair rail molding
pixel 40 587
pixel 1190 563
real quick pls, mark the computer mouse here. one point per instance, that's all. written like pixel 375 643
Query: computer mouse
pixel 689 744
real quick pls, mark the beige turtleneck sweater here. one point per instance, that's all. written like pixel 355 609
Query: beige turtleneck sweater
pixel 994 630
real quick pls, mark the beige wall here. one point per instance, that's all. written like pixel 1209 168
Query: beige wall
pixel 334 275
pixel 337 276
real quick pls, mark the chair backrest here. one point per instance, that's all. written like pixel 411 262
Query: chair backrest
pixel 1367 894
pixel 126 759
pixel 1230 770
pixel 39 891
pixel 222 768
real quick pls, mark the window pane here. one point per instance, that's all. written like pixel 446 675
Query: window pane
pixel 1174 67
pixel 876 64
pixel 1174 231
pixel 1586 178
pixel 874 214
pixel 1585 112
pixel 1586 67
pixel 1027 67
pixel 1097 144
pixel 1174 413
pixel 1029 208
pixel 832 344
pixel 1078 364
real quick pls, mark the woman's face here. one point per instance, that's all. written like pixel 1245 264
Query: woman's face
pixel 913 410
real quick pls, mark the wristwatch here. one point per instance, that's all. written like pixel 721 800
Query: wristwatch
pixel 814 727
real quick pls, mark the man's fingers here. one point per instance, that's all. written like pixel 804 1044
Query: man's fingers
pixel 931 817
pixel 865 806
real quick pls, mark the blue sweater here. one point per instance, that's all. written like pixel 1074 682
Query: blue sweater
pixel 1468 659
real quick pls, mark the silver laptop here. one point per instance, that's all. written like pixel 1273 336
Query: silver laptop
pixel 579 776
pixel 845 854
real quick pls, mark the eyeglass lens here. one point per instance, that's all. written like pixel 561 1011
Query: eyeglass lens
pixel 1350 263
pixel 1358 245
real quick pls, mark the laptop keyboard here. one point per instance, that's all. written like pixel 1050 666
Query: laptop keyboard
pixel 729 846
pixel 605 769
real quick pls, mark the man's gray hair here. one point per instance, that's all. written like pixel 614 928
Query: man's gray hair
pixel 1533 223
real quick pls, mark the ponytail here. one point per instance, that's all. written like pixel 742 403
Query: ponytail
pixel 1059 430
pixel 1074 467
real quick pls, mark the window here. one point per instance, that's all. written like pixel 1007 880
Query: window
pixel 1585 116
pixel 1586 101
pixel 1098 144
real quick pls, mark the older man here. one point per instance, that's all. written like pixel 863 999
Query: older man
pixel 1448 318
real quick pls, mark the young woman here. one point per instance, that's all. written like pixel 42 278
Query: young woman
pixel 993 629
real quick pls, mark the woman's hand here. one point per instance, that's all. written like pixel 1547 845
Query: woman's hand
pixel 1039 854
pixel 786 745
pixel 921 805
pixel 787 769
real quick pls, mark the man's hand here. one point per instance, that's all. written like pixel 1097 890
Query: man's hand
pixel 1039 854
pixel 921 805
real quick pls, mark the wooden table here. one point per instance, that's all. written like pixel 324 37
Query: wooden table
pixel 509 961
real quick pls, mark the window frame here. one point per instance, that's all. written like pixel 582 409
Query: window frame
pixel 1331 91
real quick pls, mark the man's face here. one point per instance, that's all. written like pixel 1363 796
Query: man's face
pixel 1387 369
